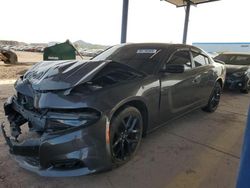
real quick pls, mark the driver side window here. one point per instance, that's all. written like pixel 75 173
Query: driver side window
pixel 181 58
pixel 199 59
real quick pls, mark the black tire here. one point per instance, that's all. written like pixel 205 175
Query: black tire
pixel 247 87
pixel 214 98
pixel 125 135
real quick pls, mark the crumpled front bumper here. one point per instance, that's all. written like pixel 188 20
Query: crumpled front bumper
pixel 232 82
pixel 70 153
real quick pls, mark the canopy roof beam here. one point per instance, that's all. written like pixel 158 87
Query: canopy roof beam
pixel 178 3
pixel 184 39
pixel 187 4
pixel 124 21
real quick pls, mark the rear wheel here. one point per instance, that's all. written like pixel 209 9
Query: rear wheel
pixel 214 99
pixel 125 135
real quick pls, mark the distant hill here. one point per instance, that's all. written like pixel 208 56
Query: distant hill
pixel 79 44
pixel 85 45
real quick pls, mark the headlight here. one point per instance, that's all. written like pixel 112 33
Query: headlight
pixel 239 74
pixel 59 121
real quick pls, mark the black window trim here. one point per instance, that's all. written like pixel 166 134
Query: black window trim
pixel 178 50
pixel 200 53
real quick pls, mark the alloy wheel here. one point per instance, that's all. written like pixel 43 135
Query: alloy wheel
pixel 216 97
pixel 126 138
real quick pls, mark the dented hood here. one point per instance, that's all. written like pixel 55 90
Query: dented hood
pixel 61 75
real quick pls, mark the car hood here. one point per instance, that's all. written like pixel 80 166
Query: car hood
pixel 61 75
pixel 236 68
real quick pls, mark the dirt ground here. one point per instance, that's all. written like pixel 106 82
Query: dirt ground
pixel 9 72
pixel 25 60
pixel 200 150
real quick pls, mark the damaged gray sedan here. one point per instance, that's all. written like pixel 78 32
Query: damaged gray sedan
pixel 90 116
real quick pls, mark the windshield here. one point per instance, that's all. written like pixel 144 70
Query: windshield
pixel 141 58
pixel 234 59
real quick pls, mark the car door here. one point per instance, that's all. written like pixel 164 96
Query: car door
pixel 178 90
pixel 202 70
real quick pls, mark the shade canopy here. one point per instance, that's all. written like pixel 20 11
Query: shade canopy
pixel 180 3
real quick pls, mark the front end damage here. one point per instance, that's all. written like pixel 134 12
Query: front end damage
pixel 237 76
pixel 67 143
pixel 60 102
pixel 234 81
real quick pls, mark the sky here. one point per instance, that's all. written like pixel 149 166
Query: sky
pixel 99 21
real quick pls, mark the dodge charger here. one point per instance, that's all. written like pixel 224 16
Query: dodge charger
pixel 90 116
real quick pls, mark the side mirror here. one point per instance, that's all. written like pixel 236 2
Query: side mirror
pixel 174 69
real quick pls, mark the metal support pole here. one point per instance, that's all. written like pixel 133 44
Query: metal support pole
pixel 124 21
pixel 184 41
pixel 244 171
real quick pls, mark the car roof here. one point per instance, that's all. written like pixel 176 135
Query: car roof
pixel 160 45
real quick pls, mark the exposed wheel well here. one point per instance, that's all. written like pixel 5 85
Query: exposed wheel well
pixel 220 82
pixel 141 107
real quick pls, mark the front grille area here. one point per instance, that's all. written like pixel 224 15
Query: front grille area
pixel 68 164
pixel 26 101
pixel 34 161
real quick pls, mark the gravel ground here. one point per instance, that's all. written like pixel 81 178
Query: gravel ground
pixel 25 61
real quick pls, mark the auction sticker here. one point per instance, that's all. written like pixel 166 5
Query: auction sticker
pixel 146 51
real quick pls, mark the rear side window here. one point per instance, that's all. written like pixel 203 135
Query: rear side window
pixel 234 59
pixel 199 59
pixel 225 57
pixel 242 60
pixel 181 58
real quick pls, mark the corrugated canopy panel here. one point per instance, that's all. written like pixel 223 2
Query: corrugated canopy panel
pixel 180 3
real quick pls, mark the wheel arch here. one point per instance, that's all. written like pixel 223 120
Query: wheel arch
pixel 139 105
pixel 220 81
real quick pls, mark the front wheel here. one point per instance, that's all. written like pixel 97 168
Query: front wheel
pixel 125 135
pixel 214 99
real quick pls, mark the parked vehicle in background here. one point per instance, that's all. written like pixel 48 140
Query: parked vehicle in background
pixel 213 54
pixel 8 56
pixel 90 115
pixel 238 70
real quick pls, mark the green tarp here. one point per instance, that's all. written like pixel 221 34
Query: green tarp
pixel 62 51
